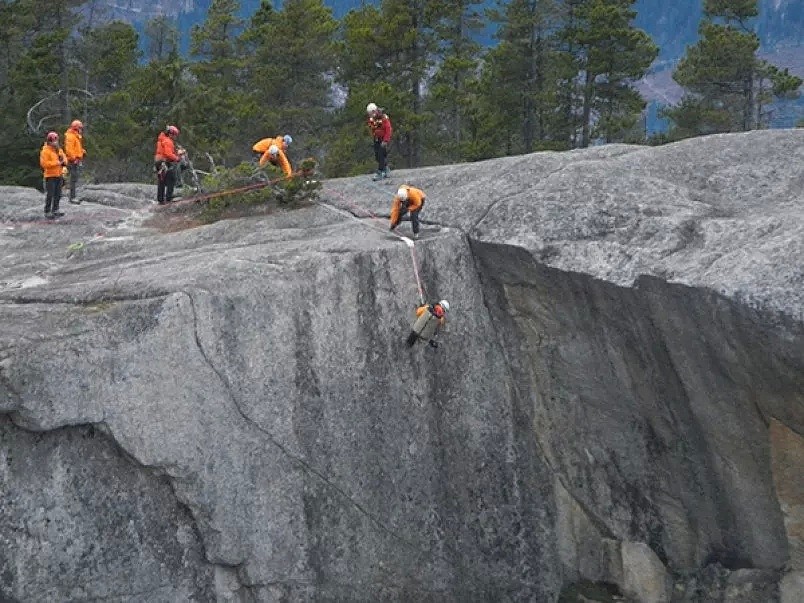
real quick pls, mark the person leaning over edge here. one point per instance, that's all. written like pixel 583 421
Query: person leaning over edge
pixel 407 199
pixel 276 157
pixel 260 148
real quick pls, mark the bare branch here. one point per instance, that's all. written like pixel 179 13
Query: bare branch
pixel 29 116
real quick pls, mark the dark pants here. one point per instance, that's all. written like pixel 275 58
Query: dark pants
pixel 74 169
pixel 166 181
pixel 52 193
pixel 414 218
pixel 381 155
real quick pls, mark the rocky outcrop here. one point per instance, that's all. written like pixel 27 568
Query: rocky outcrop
pixel 615 409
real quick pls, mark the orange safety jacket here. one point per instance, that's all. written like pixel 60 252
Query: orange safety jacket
pixel 74 146
pixel 51 160
pixel 165 148
pixel 416 198
pixel 281 161
pixel 261 146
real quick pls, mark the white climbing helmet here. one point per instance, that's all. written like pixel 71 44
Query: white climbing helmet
pixel 273 150
pixel 288 139
pixel 402 193
pixel 444 304
pixel 371 108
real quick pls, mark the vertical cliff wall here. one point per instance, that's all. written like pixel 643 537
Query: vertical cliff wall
pixel 230 412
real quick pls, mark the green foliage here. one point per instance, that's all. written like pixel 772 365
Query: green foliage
pixel 452 89
pixel 291 192
pixel 731 10
pixel 560 76
pixel 292 56
pixel 612 55
pixel 727 85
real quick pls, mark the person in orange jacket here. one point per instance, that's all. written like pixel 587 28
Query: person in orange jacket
pixel 276 157
pixel 53 162
pixel 407 200
pixel 260 148
pixel 166 160
pixel 430 318
pixel 74 150
pixel 381 130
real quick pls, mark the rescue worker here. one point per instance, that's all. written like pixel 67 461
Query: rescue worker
pixel 430 318
pixel 380 126
pixel 276 156
pixel 260 148
pixel 74 150
pixel 407 200
pixel 166 160
pixel 53 162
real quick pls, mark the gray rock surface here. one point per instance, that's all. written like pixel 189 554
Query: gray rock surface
pixel 626 327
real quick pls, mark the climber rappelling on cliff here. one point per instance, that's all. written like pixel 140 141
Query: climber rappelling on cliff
pixel 430 319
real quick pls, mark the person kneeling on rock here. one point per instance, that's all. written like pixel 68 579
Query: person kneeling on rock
pixel 430 318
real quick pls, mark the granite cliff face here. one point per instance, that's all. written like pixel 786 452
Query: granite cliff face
pixel 229 412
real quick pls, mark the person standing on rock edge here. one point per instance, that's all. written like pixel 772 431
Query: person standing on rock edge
pixel 380 126
pixel 430 318
pixel 165 164
pixel 407 199
pixel 74 149
pixel 53 162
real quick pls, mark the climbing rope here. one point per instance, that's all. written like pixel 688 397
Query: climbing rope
pixel 231 191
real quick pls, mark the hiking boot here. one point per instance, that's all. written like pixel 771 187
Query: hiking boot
pixel 74 201
pixel 377 176
pixel 386 173
pixel 415 236
pixel 57 214
pixel 49 215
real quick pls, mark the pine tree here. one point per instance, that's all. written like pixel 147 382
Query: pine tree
pixel 210 112
pixel 291 66
pixel 159 86
pixel 362 63
pixel 37 76
pixel 522 70
pixel 109 55
pixel 726 83
pixel 611 55
pixel 408 46
pixel 453 86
